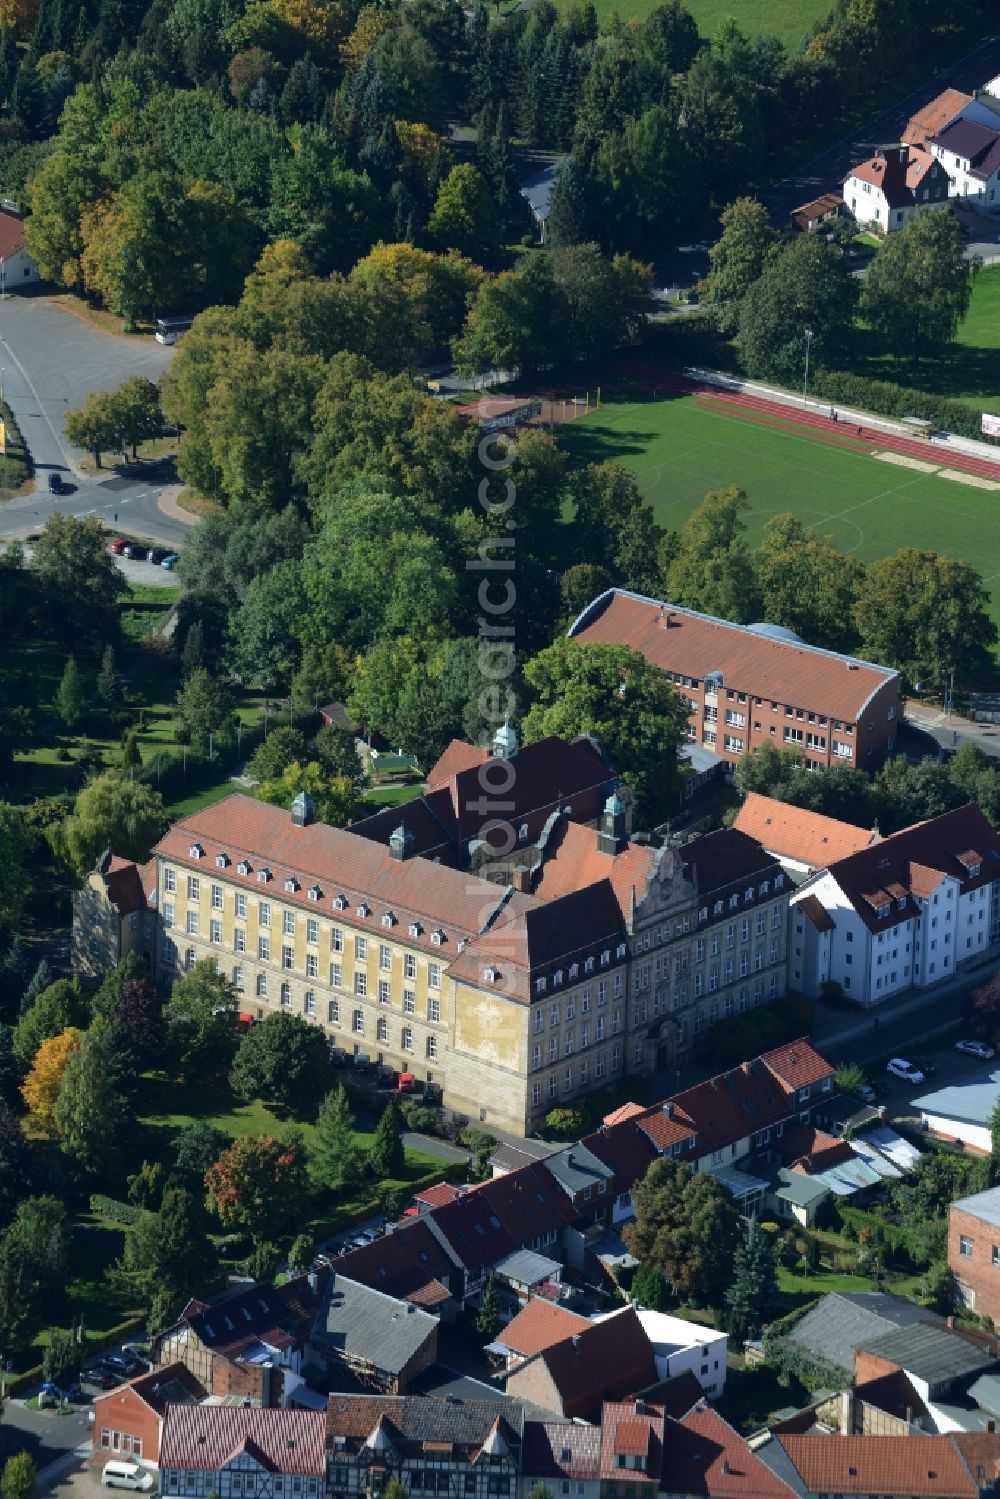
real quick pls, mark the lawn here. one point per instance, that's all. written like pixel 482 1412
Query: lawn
pixel 969 370
pixel 391 796
pixel 679 450
pixel 787 19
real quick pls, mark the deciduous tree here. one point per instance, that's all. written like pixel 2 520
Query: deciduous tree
pixel 687 1226
pixel 111 812
pixel 16 1166
pixel 918 288
pixel 806 585
pixel 463 217
pixel 630 706
pixel 712 569
pixel 204 706
pixel 17 841
pixel 18 1480
pixel 927 615
pixel 200 1017
pixel 43 1083
pixel 92 1111
pixel 736 260
pixel 61 1358
pixel 284 1060
pixel 49 1014
pixel 258 1184
pixel 807 285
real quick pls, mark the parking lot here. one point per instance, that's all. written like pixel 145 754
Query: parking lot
pixel 941 1066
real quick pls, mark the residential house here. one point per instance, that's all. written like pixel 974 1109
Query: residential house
pixel 811 216
pixel 432 1447
pixel 114 915
pixel 885 191
pixel 802 841
pixel 242 1452
pixel 841 1322
pixel 128 1421
pixel 17 268
pixel 383 1343
pixel 974 1251
pixel 251 1343
pixel 563 1455
pixel 915 1467
pixel 746 684
pixel 539 1325
pixel 902 914
pixel 707 1459
pixel 607 1360
pixel 410 1265
pixel 970 154
pixel 537 192
pixel 680 1346
pixel 960 1113
pixel 941 110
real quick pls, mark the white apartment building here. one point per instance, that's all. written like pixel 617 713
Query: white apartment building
pixel 905 913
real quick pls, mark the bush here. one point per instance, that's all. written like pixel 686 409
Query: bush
pixel 887 399
pixel 118 1212
pixel 760 1030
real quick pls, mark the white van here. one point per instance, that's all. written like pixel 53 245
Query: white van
pixel 118 1475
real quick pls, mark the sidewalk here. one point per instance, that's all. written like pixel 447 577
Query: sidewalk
pixel 166 501
pixel 834 1026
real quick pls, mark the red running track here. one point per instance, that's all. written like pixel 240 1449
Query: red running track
pixel 813 422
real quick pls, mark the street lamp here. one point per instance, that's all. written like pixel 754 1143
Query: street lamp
pixel 805 382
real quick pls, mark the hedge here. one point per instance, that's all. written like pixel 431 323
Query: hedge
pixel 886 399
pixel 15 463
pixel 14 1384
pixel 781 1355
pixel 119 1212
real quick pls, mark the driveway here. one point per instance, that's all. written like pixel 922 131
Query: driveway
pixel 51 359
pixel 47 1436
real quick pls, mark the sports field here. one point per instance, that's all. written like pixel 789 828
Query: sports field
pixel 680 448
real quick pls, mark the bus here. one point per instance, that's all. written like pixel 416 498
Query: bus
pixel 169 329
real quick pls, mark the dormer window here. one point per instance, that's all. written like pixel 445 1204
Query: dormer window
pixel 605 958
pixel 540 986
pixel 765 886
pixel 263 875
pixel 243 867
pixel 901 902
pixel 779 880
pixel 974 869
pixel 522 833
pixel 314 893
pixel 557 978
pixel 717 908
pixel 221 861
pixel 196 851
pixel 882 911
pixel 363 910
pixel 291 884
pixel 340 902
pixel 415 929
pixel 748 893
pixel 437 937
pixel 621 949
pixel 588 965
pixel 388 918
pixel 702 913
pixel 574 969
pixel 491 975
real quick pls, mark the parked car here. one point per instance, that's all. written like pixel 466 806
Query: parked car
pixel 156 554
pixel 122 1364
pixel 55 484
pixel 904 1070
pixel 867 1093
pixel 406 1083
pixel 117 546
pixel 117 1475
pixel 72 1392
pixel 981 1049
pixel 169 561
pixel 135 551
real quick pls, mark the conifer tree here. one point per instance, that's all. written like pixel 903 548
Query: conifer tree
pixel 386 1156
pixel 333 1155
pixel 69 698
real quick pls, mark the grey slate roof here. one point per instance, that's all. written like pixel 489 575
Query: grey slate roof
pixel 577 1168
pixel 971 1101
pixel 538 188
pixel 936 1355
pixel 985 1391
pixel 796 1187
pixel 982 1205
pixel 527 1268
pixel 842 1321
pixel 360 1324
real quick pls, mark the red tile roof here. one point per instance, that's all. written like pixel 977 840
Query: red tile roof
pixel 917 860
pixel 608 1360
pixel 921 1466
pixel 408 1264
pixel 626 1111
pixel 170 1384
pixel 625 1148
pixel 415 1424
pixel 437 1196
pixel 203 1437
pixel 886 170
pixel 632 1429
pixel 817 913
pixel 124 885
pixel 797 1064
pixel 573 859
pixel 280 1316
pixel 704 1456
pixel 935 115
pixel 456 757
pixel 538 1326
pixel 810 1150
pixel 562 1449
pixel 11 234
pixel 826 206
pixel 795 833
pixel 692 644
pixel 919 163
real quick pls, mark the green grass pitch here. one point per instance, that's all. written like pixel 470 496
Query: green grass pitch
pixel 788 19
pixel 679 450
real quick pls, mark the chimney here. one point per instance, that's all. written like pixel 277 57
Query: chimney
pixel 668 1109
pixel 951 1322
pixel 576 1340
pixel 313 1280
pixel 991 1426
pixel 400 844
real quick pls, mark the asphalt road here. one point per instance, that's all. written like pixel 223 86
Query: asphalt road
pixel 49 360
pixel 45 1435
pixel 828 169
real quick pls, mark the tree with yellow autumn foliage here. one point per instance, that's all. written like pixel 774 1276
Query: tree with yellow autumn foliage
pixel 40 1089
